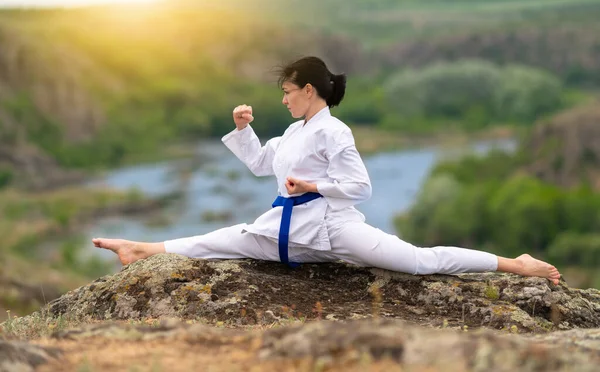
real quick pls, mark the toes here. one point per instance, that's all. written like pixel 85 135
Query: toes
pixel 103 243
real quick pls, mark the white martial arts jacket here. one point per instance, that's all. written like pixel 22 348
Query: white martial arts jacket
pixel 322 152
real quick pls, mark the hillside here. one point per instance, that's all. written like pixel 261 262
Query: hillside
pixel 78 85
pixel 565 150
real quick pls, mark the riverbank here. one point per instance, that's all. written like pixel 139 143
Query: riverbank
pixel 370 140
pixel 38 256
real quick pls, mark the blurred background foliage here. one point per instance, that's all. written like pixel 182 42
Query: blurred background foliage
pixel 173 70
pixel 96 88
pixel 524 201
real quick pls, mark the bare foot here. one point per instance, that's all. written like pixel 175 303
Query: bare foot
pixel 530 266
pixel 128 251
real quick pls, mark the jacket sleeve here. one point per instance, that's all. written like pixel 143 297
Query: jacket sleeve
pixel 247 147
pixel 350 183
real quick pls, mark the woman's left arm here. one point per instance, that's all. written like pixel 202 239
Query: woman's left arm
pixel 350 180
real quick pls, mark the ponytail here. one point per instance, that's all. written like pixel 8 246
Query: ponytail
pixel 338 84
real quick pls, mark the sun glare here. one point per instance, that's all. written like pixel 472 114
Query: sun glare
pixel 90 2
pixel 70 3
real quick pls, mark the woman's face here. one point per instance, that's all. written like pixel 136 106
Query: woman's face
pixel 295 99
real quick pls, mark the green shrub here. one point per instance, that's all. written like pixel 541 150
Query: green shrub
pixel 364 103
pixel 38 128
pixel 435 192
pixel 457 216
pixel 576 249
pixel 6 177
pixel 525 93
pixel 484 202
pixel 60 210
pixel 497 165
pixel 579 211
pixel 524 215
pixel 474 93
pixel 445 89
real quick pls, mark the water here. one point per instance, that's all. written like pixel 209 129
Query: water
pixel 216 181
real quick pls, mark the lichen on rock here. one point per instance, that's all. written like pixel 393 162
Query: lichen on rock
pixel 246 292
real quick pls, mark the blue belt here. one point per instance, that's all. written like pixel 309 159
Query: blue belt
pixel 286 216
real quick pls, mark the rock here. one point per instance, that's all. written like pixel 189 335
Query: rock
pixel 417 348
pixel 587 339
pixel 565 150
pixel 23 357
pixel 242 292
pixel 501 46
pixel 334 343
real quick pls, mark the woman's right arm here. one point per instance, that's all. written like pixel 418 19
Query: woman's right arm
pixel 246 146
pixel 244 143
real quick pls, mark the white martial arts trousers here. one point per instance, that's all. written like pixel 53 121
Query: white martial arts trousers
pixel 347 244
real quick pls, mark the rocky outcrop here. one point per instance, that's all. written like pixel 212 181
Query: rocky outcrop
pixel 243 292
pixel 565 150
pixel 539 47
pixel 233 313
pixel 24 357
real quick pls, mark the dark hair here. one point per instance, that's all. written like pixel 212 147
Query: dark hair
pixel 312 70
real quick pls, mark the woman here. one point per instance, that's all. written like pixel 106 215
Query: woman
pixel 320 178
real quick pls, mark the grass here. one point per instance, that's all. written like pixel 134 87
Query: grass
pixel 492 292
pixel 42 324
pixel 37 325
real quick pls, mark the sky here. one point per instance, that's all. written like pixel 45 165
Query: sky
pixel 65 3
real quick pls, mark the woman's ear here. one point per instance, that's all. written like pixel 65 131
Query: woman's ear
pixel 309 89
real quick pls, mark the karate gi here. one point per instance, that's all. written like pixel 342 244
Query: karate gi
pixel 326 229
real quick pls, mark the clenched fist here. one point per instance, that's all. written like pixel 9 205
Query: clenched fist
pixel 242 116
pixel 296 186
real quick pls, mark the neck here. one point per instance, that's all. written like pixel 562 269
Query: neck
pixel 313 109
